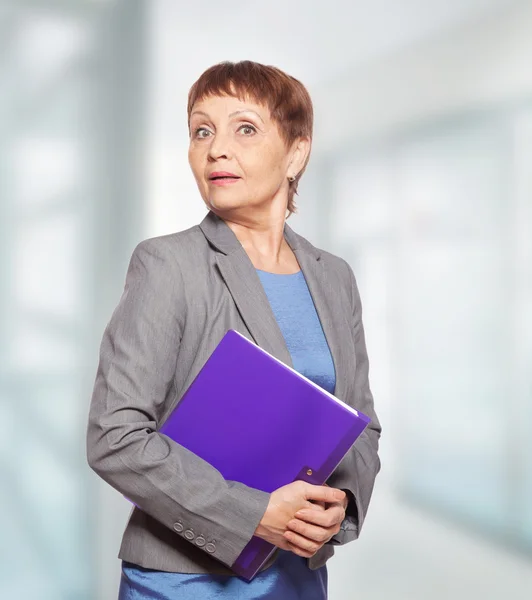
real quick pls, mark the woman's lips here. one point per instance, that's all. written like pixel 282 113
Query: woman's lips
pixel 224 181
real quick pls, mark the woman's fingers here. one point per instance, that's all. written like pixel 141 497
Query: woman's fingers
pixel 311 532
pixel 315 505
pixel 297 550
pixel 301 545
pixel 324 518
pixel 323 493
pixel 312 528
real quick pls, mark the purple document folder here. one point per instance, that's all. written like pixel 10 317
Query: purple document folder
pixel 261 423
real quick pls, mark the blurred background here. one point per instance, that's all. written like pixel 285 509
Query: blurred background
pixel 421 177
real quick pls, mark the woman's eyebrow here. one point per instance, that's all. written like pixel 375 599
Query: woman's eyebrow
pixel 199 112
pixel 233 114
pixel 246 110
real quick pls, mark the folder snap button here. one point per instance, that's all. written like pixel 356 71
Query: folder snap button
pixel 200 541
pixel 210 548
pixel 178 527
pixel 189 534
pixel 309 471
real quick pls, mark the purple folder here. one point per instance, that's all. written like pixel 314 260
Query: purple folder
pixel 261 423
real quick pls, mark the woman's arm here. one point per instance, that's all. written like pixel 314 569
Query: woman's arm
pixel 357 472
pixel 134 383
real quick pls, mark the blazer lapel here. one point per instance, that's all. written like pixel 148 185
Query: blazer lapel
pixel 245 287
pixel 323 287
pixel 250 298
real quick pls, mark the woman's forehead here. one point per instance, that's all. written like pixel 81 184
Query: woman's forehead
pixel 230 103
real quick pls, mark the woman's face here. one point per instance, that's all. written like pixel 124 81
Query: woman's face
pixel 237 154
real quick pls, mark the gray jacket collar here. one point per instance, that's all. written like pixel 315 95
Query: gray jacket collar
pixel 223 238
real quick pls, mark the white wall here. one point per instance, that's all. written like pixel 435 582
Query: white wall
pixel 476 66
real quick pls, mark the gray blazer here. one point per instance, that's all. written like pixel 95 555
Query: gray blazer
pixel 183 291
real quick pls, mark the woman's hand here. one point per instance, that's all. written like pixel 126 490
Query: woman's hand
pixel 282 508
pixel 312 528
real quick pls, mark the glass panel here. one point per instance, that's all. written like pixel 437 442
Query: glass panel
pixel 45 169
pixel 45 44
pixel 363 192
pixel 453 326
pixel 522 322
pixel 47 260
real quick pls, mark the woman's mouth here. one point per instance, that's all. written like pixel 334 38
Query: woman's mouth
pixel 223 178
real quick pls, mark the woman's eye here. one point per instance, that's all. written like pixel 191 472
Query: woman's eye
pixel 201 132
pixel 247 129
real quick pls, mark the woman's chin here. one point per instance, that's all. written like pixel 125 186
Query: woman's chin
pixel 220 203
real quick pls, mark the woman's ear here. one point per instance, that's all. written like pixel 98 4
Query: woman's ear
pixel 300 152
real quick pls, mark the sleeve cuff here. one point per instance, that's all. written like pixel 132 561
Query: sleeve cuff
pixel 349 526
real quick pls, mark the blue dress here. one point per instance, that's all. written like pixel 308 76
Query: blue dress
pixel 289 578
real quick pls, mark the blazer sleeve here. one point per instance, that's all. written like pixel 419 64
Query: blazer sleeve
pixel 357 472
pixel 134 382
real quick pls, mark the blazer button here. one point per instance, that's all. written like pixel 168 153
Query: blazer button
pixel 200 541
pixel 189 534
pixel 210 547
pixel 178 527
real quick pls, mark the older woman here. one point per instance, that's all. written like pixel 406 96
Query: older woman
pixel 242 268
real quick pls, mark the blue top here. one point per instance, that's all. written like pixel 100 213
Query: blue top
pixel 289 577
pixel 298 320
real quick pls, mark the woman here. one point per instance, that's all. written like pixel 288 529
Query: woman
pixel 241 268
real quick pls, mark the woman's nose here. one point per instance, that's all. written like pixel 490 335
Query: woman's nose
pixel 220 147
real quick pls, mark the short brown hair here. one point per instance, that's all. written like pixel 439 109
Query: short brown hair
pixel 286 97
